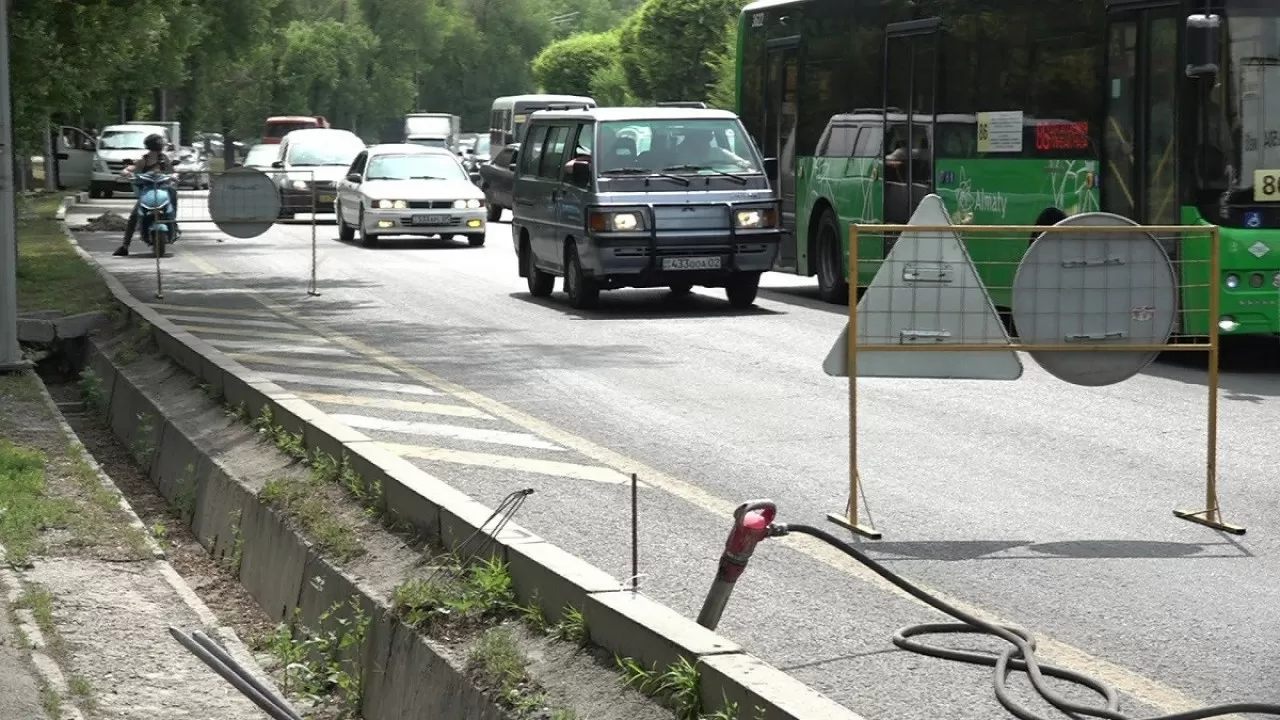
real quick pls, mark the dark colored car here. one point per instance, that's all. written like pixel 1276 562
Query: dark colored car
pixel 495 180
pixel 475 156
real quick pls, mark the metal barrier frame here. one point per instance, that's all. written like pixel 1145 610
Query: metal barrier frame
pixel 1210 516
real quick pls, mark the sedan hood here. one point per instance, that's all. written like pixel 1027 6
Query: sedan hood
pixel 422 190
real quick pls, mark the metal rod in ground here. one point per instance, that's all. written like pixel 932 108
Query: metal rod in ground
pixel 635 533
pixel 217 651
pixel 156 236
pixel 230 676
pixel 314 289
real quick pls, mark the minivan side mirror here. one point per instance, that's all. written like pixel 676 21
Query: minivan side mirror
pixel 771 167
pixel 1204 45
pixel 354 178
pixel 580 173
pixel 279 164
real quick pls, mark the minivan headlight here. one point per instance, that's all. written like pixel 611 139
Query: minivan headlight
pixel 755 218
pixel 300 185
pixel 616 222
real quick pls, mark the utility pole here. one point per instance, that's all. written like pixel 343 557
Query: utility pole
pixel 10 352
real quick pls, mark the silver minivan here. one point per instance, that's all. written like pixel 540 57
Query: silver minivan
pixel 642 197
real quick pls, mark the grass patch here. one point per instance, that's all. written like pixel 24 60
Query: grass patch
pixel 51 275
pixel 82 689
pixel 310 507
pixel 498 662
pixel 26 509
pixel 22 387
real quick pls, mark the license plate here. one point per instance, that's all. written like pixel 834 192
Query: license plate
pixel 326 198
pixel 430 219
pixel 691 263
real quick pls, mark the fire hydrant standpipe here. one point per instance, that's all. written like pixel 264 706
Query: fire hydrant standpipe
pixel 1018 657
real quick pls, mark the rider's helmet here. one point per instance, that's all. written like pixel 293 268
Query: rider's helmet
pixel 154 143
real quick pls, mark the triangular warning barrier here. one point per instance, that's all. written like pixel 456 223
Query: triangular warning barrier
pixel 927 293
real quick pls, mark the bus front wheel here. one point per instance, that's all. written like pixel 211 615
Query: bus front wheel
pixel 832 285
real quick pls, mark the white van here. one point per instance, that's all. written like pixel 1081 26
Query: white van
pixel 116 145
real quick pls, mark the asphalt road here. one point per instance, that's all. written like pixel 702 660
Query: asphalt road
pixel 1043 504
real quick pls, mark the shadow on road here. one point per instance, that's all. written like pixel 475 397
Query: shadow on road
pixel 646 304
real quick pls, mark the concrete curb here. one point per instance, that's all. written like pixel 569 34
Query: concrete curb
pixel 622 622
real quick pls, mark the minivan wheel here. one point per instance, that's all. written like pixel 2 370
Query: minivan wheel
pixel 493 212
pixel 583 292
pixel 832 286
pixel 540 283
pixel 741 289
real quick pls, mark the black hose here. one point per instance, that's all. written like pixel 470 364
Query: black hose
pixel 1020 656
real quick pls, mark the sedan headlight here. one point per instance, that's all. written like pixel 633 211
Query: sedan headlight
pixel 616 222
pixel 466 204
pixel 392 204
pixel 755 218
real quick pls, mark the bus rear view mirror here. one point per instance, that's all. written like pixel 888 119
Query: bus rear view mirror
pixel 1204 45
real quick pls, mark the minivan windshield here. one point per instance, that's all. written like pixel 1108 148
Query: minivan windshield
pixel 123 140
pixel 415 167
pixel 701 147
pixel 340 149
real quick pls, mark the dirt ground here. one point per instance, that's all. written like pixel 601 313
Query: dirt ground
pixel 87 604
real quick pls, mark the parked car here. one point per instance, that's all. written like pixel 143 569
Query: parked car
pixel 192 167
pixel 495 181
pixel 690 206
pixel 408 189
pixel 312 162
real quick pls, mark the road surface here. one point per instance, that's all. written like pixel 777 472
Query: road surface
pixel 1043 504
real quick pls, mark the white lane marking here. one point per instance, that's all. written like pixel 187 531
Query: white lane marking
pixel 594 473
pixel 388 404
pixel 301 348
pixel 496 437
pixel 347 383
pixel 366 367
pixel 162 308
pixel 237 322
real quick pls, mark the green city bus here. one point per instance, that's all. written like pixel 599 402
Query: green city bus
pixel 1023 112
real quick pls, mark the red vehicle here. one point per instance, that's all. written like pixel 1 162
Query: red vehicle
pixel 279 126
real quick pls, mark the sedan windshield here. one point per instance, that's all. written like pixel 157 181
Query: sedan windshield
pixel 415 167
pixel 330 153
pixel 701 147
pixel 123 140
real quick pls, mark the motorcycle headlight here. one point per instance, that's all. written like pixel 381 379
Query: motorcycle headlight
pixel 466 204
pixel 392 204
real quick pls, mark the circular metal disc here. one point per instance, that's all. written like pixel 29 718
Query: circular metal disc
pixel 1096 288
pixel 243 202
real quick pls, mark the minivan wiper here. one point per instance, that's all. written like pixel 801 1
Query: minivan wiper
pixel 736 178
pixel 626 171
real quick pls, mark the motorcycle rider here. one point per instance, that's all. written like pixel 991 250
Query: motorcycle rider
pixel 154 160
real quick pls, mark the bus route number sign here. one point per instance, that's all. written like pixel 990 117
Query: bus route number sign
pixel 1266 185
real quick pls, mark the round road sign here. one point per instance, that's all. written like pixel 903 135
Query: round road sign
pixel 1098 288
pixel 243 202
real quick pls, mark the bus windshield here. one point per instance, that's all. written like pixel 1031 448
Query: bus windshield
pixel 439 125
pixel 1255 83
pixel 682 146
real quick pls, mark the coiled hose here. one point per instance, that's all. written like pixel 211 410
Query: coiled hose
pixel 1018 657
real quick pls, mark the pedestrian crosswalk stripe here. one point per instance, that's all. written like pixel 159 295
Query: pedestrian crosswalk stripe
pixel 366 367
pixel 301 348
pixel 163 308
pixel 553 468
pixel 398 405
pixel 237 322
pixel 248 332
pixel 457 432
pixel 348 383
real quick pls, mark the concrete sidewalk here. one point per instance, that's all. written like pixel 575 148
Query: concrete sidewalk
pixel 19 685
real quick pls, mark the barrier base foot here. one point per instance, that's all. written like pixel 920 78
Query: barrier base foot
pixel 867 532
pixel 1204 517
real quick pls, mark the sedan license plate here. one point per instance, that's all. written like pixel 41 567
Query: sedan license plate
pixel 430 219
pixel 691 263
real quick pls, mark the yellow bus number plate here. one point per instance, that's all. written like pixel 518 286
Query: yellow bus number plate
pixel 1266 185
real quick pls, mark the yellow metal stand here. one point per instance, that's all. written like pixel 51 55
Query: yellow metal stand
pixel 1211 516
pixel 850 520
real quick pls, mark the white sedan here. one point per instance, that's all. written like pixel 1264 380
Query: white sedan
pixel 409 190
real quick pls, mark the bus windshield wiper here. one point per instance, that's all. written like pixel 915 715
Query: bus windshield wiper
pixel 736 178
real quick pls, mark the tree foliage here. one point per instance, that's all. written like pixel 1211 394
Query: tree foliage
pixel 567 66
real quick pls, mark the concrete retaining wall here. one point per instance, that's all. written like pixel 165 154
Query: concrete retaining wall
pixel 278 568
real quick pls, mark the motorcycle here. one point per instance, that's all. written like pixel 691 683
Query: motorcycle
pixel 157 216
